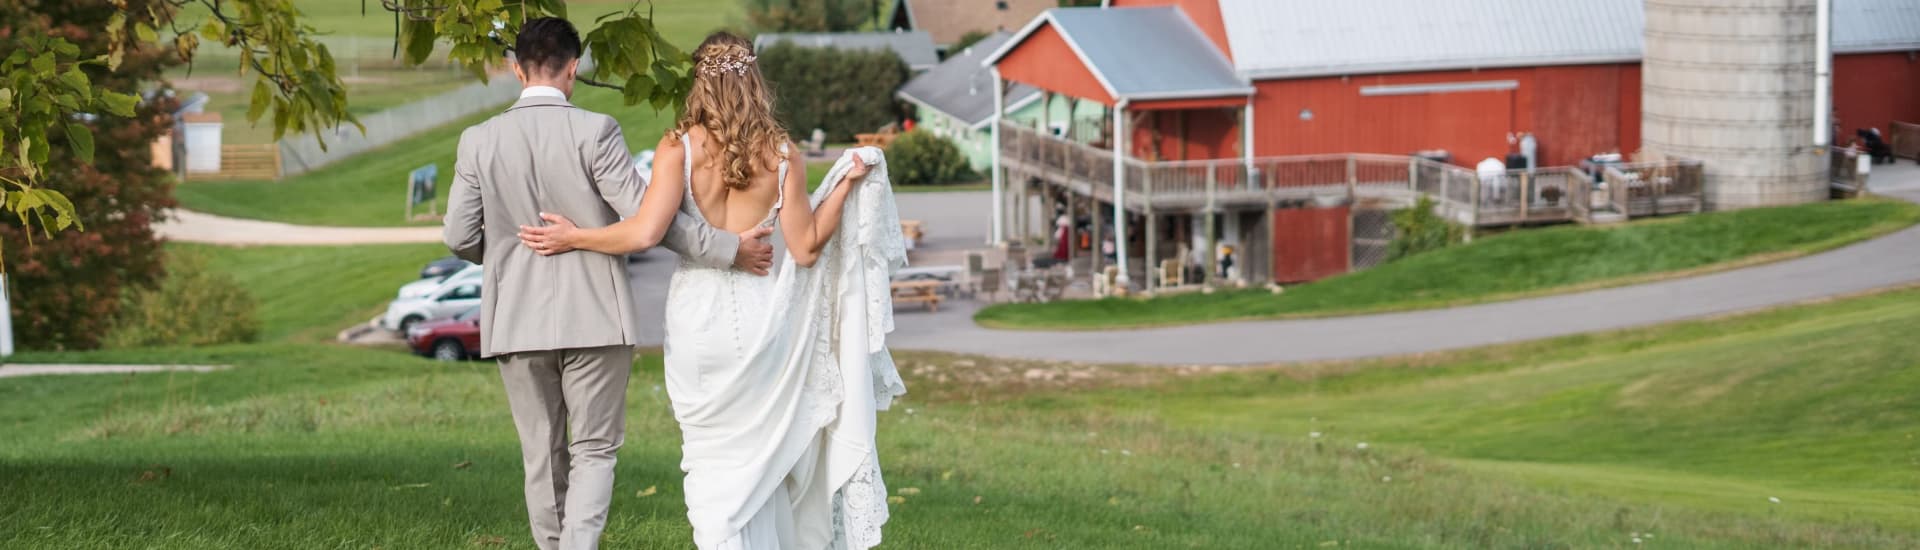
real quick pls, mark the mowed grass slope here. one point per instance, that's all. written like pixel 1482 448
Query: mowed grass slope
pixel 1677 435
pixel 1818 406
pixel 1682 431
pixel 1510 265
pixel 310 293
pixel 370 189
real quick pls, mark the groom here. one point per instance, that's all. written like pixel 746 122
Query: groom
pixel 563 326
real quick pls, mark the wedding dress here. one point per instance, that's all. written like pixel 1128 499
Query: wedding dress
pixel 776 382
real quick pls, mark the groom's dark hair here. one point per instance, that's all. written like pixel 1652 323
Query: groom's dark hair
pixel 546 44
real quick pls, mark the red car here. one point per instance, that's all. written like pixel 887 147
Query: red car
pixel 450 339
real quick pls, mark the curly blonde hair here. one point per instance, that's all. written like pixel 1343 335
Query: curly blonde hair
pixel 732 102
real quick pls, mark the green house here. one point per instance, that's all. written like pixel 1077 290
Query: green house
pixel 954 100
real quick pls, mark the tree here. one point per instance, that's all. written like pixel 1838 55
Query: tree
pixel 842 92
pixel 71 73
pixel 809 15
pixel 67 287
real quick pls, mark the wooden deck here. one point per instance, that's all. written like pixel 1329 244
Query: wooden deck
pixel 1515 197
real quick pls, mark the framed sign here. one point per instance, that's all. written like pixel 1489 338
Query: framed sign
pixel 421 189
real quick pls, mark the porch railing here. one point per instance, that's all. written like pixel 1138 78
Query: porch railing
pixel 1656 188
pixel 1543 195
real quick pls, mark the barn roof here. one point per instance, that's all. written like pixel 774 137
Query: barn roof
pixel 914 47
pixel 1862 26
pixel 1300 39
pixel 1140 53
pixel 963 89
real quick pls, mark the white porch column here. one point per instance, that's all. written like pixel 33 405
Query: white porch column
pixel 1120 189
pixel 1246 139
pixel 997 234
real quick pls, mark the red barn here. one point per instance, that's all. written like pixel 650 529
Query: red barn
pixel 1236 81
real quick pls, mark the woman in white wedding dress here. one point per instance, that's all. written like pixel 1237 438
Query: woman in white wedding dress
pixel 775 381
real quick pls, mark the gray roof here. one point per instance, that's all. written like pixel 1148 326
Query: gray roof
pixel 913 47
pixel 1300 39
pixel 962 88
pixel 1141 53
pixel 1861 26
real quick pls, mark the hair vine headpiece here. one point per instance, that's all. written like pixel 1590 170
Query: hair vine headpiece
pixel 735 63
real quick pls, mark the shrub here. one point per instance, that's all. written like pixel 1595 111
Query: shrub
pixel 193 306
pixel 921 158
pixel 1418 229
pixel 843 92
pixel 968 40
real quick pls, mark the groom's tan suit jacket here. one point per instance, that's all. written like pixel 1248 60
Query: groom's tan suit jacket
pixel 545 155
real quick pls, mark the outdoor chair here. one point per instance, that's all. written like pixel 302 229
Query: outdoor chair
pixel 1172 273
pixel 1055 284
pixel 989 283
pixel 976 264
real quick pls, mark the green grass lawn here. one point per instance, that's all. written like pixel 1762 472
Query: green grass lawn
pixel 310 293
pixel 370 190
pixel 1506 266
pixel 1681 431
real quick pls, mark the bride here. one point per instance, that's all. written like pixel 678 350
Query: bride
pixel 775 381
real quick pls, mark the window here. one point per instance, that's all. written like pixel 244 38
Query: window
pixel 1001 5
pixel 464 292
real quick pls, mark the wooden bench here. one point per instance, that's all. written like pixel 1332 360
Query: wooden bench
pixel 924 291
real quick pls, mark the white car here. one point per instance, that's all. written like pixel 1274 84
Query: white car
pixel 424 287
pixel 451 298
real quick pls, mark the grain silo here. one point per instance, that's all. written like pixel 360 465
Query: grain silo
pixel 1731 83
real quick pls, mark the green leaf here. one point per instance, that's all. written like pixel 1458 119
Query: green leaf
pixel 6 98
pixel 118 103
pixel 638 87
pixel 43 62
pixel 64 48
pixel 262 98
pixel 419 37
pixel 145 32
pixel 81 138
pixel 62 209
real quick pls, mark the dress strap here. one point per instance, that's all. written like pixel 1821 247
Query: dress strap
pixel 780 197
pixel 686 167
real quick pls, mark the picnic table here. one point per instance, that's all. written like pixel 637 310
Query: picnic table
pixel 926 291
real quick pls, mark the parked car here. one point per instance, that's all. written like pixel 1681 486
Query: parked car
pixel 450 339
pixel 424 287
pixel 443 267
pixel 445 301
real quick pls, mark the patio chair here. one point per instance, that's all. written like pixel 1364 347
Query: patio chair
pixel 976 264
pixel 989 283
pixel 1172 273
pixel 1055 285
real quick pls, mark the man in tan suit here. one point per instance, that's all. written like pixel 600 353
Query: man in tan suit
pixel 563 326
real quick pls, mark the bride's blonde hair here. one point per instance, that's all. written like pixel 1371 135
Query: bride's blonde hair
pixel 731 101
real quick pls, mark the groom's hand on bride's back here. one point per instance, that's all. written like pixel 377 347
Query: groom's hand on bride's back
pixel 755 255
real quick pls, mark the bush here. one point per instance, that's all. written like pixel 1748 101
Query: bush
pixel 1418 230
pixel 193 306
pixel 843 92
pixel 921 158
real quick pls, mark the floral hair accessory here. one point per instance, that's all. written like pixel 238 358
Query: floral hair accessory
pixel 729 63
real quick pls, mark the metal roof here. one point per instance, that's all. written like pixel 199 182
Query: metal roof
pixel 1300 39
pixel 963 89
pixel 914 47
pixel 1296 39
pixel 1861 26
pixel 1140 53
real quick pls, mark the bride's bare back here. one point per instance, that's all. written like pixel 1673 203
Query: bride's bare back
pixel 731 210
